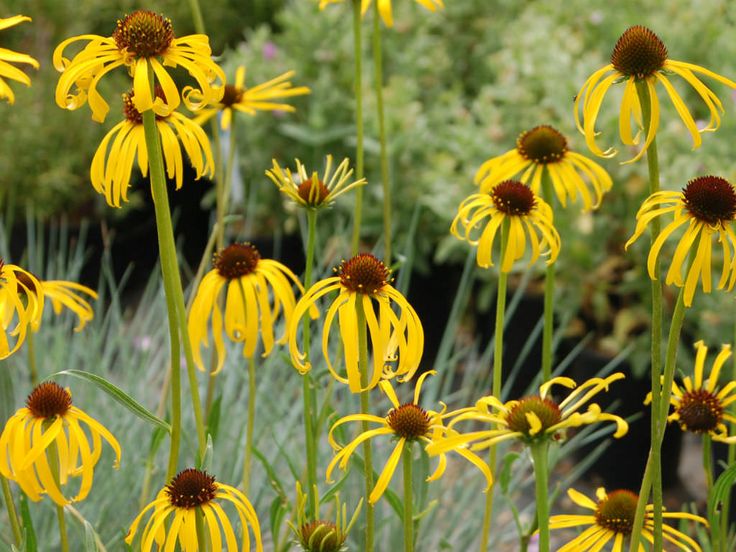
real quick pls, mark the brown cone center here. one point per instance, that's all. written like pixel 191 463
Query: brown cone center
pixel 237 260
pixel 48 400
pixel 144 33
pixel 546 410
pixel 700 411
pixel 231 95
pixel 639 53
pixel 191 488
pixel 710 199
pixel 617 511
pixel 513 198
pixel 409 421
pixel 312 194
pixel 542 144
pixel 321 536
pixel 364 273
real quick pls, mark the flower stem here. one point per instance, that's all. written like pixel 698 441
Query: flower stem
pixel 408 500
pixel 654 465
pixel 32 367
pixel 549 295
pixel 307 385
pixel 497 378
pixel 726 507
pixel 173 292
pixel 541 476
pixel 359 153
pixel 10 507
pixel 708 462
pixel 652 477
pixel 248 457
pixel 378 78
pixel 53 458
pixel 365 409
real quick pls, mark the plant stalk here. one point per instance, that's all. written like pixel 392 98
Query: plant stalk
pixel 307 385
pixel 53 458
pixel 549 295
pixel 408 499
pixel 248 457
pixel 652 477
pixel 32 366
pixel 497 378
pixel 365 409
pixel 541 479
pixel 359 132
pixel 385 181
pixel 12 513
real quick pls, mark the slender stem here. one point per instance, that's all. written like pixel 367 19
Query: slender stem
pixel 64 540
pixel 549 295
pixel 726 507
pixel 165 233
pixel 359 153
pixel 386 183
pixel 652 477
pixel 541 476
pixel 197 16
pixel 654 463
pixel 248 458
pixel 307 386
pixel 497 379
pixel 365 409
pixel 10 507
pixel 53 458
pixel 408 500
pixel 201 535
pixel 32 369
pixel 708 462
pixel 228 180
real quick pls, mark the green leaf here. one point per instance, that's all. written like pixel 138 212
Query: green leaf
pixel 29 534
pixel 118 394
pixel 718 494
pixel 213 420
pixel 272 477
pixel 206 463
pixel 278 510
pixel 504 478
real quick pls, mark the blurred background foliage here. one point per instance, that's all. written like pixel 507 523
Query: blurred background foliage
pixel 459 87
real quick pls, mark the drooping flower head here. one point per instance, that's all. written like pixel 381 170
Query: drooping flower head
pixel 640 56
pixel 63 294
pixel 50 420
pixel 312 191
pixel 8 71
pixel 404 423
pixel 612 519
pixel 113 161
pixel 145 43
pixel 257 291
pixel 545 148
pixel 20 308
pixel 266 96
pixel 700 405
pixel 705 207
pixel 532 418
pixel 525 214
pixel 191 492
pixel 394 330
pixel 319 535
pixel 385 9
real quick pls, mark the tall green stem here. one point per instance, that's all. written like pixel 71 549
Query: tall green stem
pixel 652 477
pixel 497 378
pixel 541 477
pixel 386 183
pixel 365 408
pixel 32 366
pixel 654 466
pixel 725 518
pixel 248 457
pixel 549 295
pixel 708 461
pixel 173 291
pixel 307 386
pixel 12 514
pixel 359 153
pixel 53 458
pixel 408 500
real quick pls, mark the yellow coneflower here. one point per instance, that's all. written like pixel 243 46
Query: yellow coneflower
pixel 706 207
pixel 526 213
pixel 312 191
pixel 49 420
pixel 384 7
pixel 640 56
pixel 191 492
pixel 545 148
pixel 613 520
pixel 143 42
pixel 8 71
pixel 532 418
pixel 63 294
pixel 258 290
pixel 700 405
pixel 318 535
pixel 406 423
pixel 19 307
pixel 237 96
pixel 113 161
pixel 394 329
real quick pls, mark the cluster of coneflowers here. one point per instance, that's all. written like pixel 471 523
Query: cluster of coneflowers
pixel 46 450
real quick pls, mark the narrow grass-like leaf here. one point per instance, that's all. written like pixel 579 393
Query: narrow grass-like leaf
pixel 29 534
pixel 118 394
